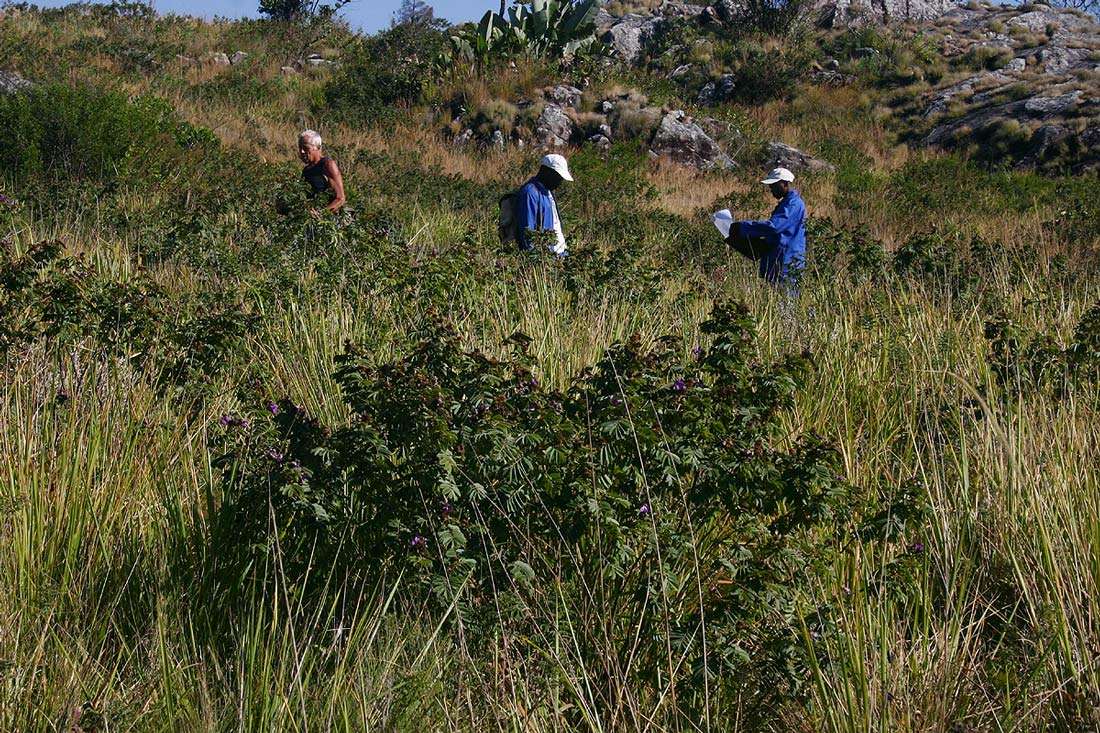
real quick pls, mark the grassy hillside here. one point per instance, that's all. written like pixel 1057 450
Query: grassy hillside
pixel 377 472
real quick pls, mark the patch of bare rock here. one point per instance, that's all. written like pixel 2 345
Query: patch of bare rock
pixel 1040 108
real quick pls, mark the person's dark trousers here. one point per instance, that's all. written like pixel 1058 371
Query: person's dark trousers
pixel 755 248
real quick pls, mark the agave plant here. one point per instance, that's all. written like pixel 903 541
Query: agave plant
pixel 536 28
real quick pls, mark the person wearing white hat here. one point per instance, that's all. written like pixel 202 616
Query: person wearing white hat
pixel 535 207
pixel 779 242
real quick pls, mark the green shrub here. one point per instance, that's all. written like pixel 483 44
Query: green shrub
pixel 485 491
pixel 1024 361
pixel 988 58
pixel 762 74
pixel 61 134
pixel 395 67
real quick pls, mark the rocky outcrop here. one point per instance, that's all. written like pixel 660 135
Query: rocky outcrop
pixel 854 13
pixel 781 155
pixel 1040 99
pixel 10 82
pixel 627 35
pixel 680 139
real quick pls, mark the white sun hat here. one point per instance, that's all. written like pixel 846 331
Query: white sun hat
pixel 777 175
pixel 559 165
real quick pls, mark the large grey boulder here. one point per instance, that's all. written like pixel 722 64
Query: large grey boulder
pixel 682 140
pixel 1055 58
pixel 10 82
pixel 554 128
pixel 628 35
pixel 781 155
pixel 856 13
pixel 1050 106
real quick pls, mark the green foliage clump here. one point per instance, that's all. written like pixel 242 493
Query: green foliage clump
pixel 851 251
pixel 1024 361
pixel 649 478
pixel 395 67
pixel 62 134
pixel 46 296
pixel 539 29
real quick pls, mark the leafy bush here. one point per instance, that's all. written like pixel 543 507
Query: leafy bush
pixel 761 74
pixel 1025 361
pixel 649 477
pixel 48 296
pixel 393 67
pixel 844 250
pixel 71 134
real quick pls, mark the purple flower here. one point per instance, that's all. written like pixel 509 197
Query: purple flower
pixel 225 421
pixel 275 455
pixel 418 542
pixel 679 385
pixel 616 400
pixel 446 510
pixel 916 548
pixel 644 510
pixel 697 352
pixel 273 408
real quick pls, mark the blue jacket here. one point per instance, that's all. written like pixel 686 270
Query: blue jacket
pixel 534 212
pixel 786 229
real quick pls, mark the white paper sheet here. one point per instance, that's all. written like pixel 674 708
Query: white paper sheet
pixel 724 221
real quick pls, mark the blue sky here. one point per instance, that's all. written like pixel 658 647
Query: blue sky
pixel 366 14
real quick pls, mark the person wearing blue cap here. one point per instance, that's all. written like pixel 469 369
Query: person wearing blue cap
pixel 779 242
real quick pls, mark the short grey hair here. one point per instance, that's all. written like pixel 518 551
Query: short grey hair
pixel 310 137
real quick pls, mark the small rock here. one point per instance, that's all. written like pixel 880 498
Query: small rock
pixel 600 141
pixel 498 140
pixel 288 70
pixel 605 130
pixel 463 138
pixel 11 82
pixel 563 95
pixel 716 92
pixel 832 78
pixel 832 64
pixel 680 71
pixel 554 128
pixel 864 52
pixel 238 57
pixel 785 156
pixel 606 107
pixel 1017 64
pixel 217 58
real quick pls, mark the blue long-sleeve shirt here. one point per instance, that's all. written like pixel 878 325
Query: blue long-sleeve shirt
pixel 786 231
pixel 536 211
